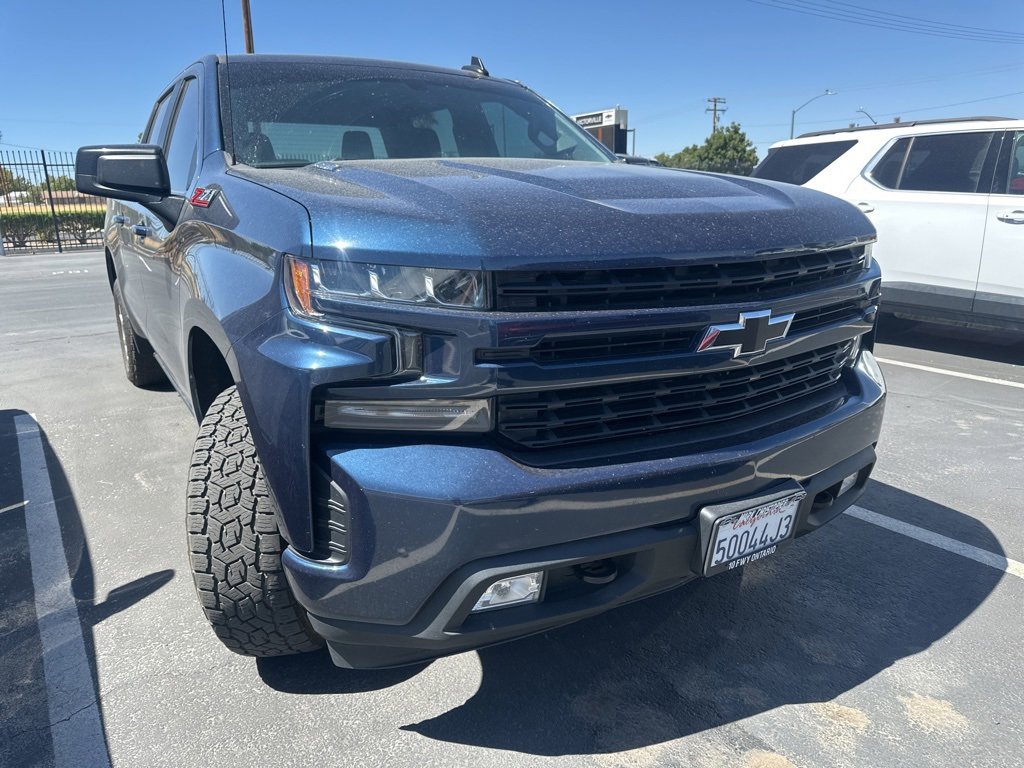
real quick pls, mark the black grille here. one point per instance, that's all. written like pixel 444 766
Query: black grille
pixel 614 345
pixel 656 341
pixel 561 417
pixel 675 286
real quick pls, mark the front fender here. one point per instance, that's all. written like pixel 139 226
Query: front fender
pixel 280 365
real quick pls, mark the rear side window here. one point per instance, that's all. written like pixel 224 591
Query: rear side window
pixel 951 162
pixel 801 163
pixel 887 170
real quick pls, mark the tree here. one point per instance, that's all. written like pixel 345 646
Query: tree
pixel 11 183
pixel 725 151
pixel 62 184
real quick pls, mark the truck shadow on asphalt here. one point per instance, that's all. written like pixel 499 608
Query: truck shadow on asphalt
pixel 833 611
pixel 994 346
pixel 23 689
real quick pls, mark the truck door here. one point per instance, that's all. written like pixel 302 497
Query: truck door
pixel 160 244
pixel 132 268
pixel 1001 279
pixel 928 198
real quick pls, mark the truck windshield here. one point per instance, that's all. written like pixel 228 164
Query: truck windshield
pixel 288 114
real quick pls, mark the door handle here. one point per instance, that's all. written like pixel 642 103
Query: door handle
pixel 140 231
pixel 118 218
pixel 866 207
pixel 1011 217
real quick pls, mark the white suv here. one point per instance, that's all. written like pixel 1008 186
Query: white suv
pixel 947 199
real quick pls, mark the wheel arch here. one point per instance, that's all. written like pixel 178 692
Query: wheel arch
pixel 108 258
pixel 212 367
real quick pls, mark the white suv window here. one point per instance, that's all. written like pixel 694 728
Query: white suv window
pixel 799 163
pixel 1016 182
pixel 950 162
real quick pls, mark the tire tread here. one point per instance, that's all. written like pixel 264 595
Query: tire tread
pixel 234 542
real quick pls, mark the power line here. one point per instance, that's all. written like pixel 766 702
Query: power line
pixel 957 104
pixel 868 17
pixel 926 22
pixel 933 78
pixel 944 31
pixel 893 114
pixel 34 148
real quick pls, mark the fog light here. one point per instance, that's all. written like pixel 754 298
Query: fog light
pixel 514 590
pixel 848 482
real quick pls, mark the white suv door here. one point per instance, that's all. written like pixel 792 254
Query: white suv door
pixel 1001 278
pixel 927 197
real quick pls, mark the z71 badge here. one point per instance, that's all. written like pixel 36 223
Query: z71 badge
pixel 201 197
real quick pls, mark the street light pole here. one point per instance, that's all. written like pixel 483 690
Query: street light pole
pixel 792 117
pixel 864 111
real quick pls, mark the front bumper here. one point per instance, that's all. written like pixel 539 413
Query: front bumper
pixel 433 525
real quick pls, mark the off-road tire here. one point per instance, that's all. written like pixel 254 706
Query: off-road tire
pixel 140 363
pixel 234 542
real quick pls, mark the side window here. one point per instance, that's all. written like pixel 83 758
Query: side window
pixel 1015 186
pixel 182 149
pixel 952 162
pixel 887 170
pixel 800 163
pixel 158 119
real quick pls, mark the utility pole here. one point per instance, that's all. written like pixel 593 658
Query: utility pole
pixel 247 26
pixel 714 109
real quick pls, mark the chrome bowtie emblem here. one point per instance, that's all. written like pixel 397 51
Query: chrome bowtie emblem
pixel 749 336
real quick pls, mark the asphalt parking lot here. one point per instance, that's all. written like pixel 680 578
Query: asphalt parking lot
pixel 891 637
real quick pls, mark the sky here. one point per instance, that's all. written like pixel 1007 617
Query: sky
pixel 76 73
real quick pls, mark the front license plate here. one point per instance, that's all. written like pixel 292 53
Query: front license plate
pixel 742 537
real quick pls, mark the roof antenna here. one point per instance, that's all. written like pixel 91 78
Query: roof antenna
pixel 476 64
pixel 230 132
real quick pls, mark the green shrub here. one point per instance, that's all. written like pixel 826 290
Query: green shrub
pixel 20 227
pixel 79 224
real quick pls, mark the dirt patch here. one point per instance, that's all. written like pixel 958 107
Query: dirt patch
pixel 758 758
pixel 934 715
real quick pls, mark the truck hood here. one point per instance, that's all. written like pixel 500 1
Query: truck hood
pixel 538 214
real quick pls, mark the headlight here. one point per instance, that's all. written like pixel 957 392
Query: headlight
pixel 309 283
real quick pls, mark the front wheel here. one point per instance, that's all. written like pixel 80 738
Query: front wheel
pixel 234 542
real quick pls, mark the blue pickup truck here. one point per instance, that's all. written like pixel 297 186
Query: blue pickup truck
pixel 460 374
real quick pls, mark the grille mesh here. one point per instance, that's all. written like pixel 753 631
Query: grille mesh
pixel 675 286
pixel 575 416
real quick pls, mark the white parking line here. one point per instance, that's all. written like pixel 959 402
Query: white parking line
pixel 957 374
pixel 19 505
pixel 977 554
pixel 75 725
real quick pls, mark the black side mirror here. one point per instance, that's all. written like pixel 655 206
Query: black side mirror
pixel 133 172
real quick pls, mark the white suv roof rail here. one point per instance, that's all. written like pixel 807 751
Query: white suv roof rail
pixel 907 124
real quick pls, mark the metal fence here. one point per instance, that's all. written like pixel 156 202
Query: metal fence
pixel 40 209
